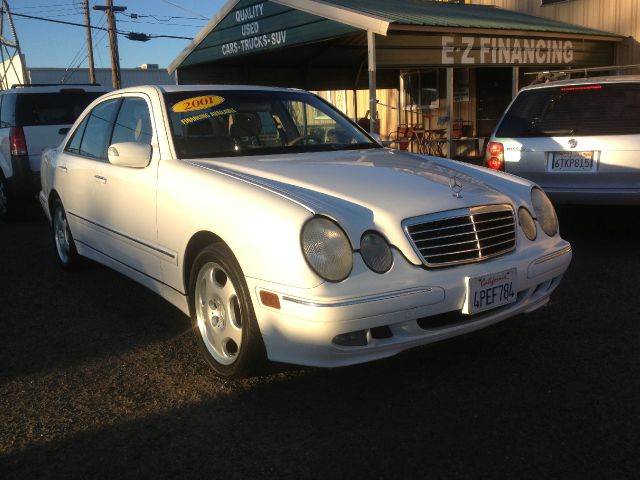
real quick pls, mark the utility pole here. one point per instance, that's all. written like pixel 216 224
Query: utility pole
pixel 109 10
pixel 87 18
pixel 11 46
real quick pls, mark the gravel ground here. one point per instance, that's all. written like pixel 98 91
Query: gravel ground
pixel 99 378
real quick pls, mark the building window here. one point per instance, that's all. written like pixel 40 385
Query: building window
pixel 421 90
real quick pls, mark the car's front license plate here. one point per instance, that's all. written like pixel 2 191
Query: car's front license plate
pixel 572 162
pixel 490 291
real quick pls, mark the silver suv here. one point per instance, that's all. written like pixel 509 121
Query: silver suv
pixel 578 139
pixel 31 119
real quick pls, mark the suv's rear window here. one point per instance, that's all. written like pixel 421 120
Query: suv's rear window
pixel 51 108
pixel 585 110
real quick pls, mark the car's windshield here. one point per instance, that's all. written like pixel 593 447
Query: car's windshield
pixel 217 123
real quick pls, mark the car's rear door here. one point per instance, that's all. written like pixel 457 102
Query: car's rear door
pixel 76 170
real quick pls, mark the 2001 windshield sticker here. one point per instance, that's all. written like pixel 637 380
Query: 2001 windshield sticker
pixel 205 115
pixel 197 103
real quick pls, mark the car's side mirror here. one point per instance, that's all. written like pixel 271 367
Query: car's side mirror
pixel 130 154
pixel 64 130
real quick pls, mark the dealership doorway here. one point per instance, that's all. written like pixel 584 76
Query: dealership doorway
pixel 494 93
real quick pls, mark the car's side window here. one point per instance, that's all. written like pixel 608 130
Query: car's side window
pixel 98 130
pixel 133 123
pixel 7 112
pixel 73 146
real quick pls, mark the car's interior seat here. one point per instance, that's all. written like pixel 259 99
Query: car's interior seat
pixel 245 129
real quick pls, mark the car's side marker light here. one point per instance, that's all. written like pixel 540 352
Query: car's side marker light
pixel 269 299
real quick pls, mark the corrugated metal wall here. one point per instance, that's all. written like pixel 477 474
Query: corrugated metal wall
pixel 615 16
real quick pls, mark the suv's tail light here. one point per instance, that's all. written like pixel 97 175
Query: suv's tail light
pixel 17 141
pixel 495 156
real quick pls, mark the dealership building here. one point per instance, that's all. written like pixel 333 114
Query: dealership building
pixel 448 70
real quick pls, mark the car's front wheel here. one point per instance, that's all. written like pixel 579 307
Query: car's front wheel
pixel 222 315
pixel 65 247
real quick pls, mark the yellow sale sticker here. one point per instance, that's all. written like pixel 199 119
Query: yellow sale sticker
pixel 197 103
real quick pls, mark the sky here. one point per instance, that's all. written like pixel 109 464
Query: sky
pixel 48 44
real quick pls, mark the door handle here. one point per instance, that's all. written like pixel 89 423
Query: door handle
pixel 62 168
pixel 100 179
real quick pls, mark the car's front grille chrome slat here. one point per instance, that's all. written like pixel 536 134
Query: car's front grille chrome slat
pixel 465 236
pixel 442 228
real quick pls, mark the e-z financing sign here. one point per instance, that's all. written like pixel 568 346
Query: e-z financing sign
pixel 498 50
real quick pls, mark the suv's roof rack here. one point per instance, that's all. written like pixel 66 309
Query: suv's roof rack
pixel 25 85
pixel 566 74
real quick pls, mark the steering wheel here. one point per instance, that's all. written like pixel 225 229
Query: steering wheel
pixel 304 139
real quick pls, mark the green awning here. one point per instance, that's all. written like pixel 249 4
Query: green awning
pixel 455 15
pixel 250 27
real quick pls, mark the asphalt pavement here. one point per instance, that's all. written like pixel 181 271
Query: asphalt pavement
pixel 100 378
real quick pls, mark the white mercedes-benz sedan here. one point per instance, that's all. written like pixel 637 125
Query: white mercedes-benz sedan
pixel 284 230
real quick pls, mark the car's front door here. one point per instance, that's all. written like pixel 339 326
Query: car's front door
pixel 125 197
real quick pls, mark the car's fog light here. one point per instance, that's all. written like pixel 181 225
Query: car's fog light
pixel 351 339
pixel 527 224
pixel 375 252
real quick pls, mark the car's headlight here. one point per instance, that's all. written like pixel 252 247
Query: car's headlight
pixel 327 249
pixel 527 224
pixel 545 213
pixel 375 252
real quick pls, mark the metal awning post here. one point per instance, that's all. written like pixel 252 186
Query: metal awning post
pixel 515 81
pixel 449 110
pixel 401 111
pixel 373 101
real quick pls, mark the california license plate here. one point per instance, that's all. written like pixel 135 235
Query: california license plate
pixel 572 162
pixel 490 291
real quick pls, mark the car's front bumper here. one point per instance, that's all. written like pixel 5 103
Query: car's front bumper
pixel 421 311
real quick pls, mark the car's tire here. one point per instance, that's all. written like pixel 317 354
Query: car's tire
pixel 222 316
pixel 63 243
pixel 10 207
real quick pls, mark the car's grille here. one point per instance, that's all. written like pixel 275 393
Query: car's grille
pixel 463 236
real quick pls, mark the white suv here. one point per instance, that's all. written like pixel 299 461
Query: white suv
pixel 578 139
pixel 31 119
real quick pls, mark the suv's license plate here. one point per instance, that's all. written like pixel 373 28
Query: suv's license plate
pixel 490 291
pixel 572 162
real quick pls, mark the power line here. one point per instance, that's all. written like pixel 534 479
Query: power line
pixel 185 9
pixel 45 6
pixel 163 24
pixel 161 18
pixel 64 22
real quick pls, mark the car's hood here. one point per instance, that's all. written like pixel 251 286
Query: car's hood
pixel 374 188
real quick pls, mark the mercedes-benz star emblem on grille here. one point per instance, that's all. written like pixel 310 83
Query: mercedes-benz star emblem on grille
pixel 573 143
pixel 456 185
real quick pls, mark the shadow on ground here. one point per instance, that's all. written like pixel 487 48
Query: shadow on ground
pixel 114 390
